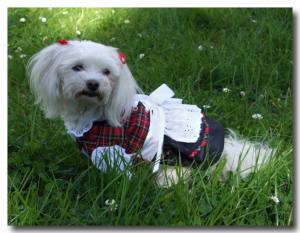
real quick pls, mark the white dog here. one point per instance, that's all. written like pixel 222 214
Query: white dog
pixel 90 87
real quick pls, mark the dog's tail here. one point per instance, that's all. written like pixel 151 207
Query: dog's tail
pixel 245 156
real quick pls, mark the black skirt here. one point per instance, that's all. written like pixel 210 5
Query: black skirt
pixel 175 152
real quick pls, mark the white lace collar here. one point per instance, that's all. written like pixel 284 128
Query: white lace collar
pixel 76 132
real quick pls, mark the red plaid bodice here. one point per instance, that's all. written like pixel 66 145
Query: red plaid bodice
pixel 131 136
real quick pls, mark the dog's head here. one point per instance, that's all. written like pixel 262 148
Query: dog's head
pixel 82 73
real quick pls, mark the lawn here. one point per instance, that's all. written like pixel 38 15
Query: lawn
pixel 198 53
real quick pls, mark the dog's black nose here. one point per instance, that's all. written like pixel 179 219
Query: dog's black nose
pixel 92 85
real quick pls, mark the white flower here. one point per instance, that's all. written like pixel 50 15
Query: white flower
pixel 65 12
pixel 275 199
pixel 257 116
pixel 126 21
pixel 43 19
pixel 22 20
pixel 200 47
pixel 78 33
pixel 206 106
pixel 10 57
pixel 110 202
pixel 22 56
pixel 112 205
pixel 211 46
pixel 19 49
pixel 140 35
pixel 142 55
pixel 253 21
pixel 261 96
pixel 242 93
pixel 226 90
pixel 113 39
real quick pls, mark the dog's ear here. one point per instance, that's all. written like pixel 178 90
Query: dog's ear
pixel 44 80
pixel 122 99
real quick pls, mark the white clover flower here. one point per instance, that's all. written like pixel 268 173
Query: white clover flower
pixel 226 90
pixel 142 55
pixel 200 47
pixel 43 19
pixel 206 106
pixel 275 199
pixel 22 20
pixel 65 12
pixel 78 33
pixel 242 93
pixel 22 56
pixel 10 57
pixel 110 202
pixel 257 116
pixel 112 205
pixel 19 49
pixel 140 35
pixel 126 21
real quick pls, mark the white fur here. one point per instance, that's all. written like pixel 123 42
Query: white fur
pixel 244 156
pixel 57 87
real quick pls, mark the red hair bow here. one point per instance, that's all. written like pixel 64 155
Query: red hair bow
pixel 63 42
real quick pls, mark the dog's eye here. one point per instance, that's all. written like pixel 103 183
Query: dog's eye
pixel 78 68
pixel 106 71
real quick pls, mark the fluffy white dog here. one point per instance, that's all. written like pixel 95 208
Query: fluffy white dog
pixel 90 87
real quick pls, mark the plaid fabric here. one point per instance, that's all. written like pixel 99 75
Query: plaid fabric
pixel 131 136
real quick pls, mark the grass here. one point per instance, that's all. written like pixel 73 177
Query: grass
pixel 250 50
